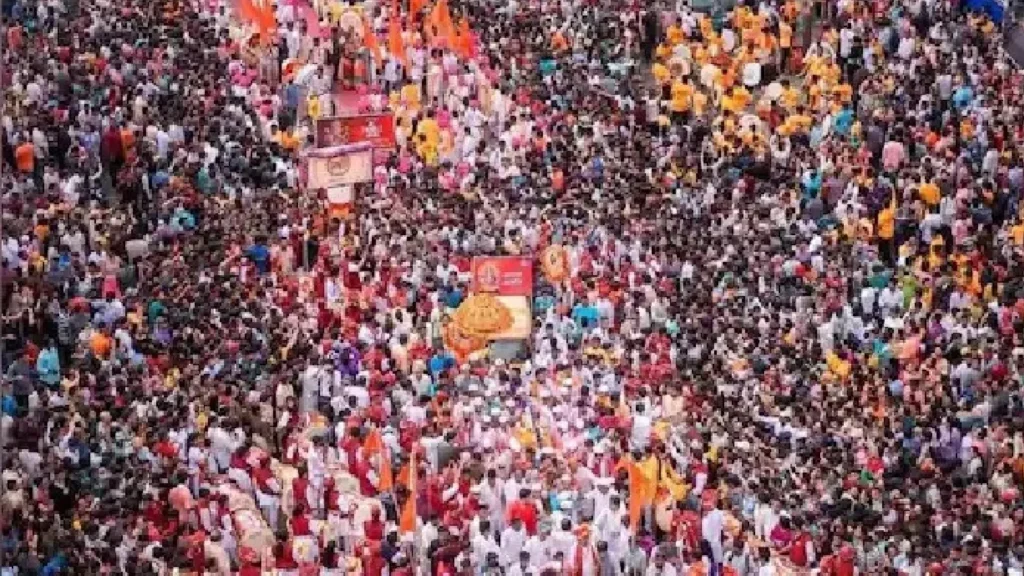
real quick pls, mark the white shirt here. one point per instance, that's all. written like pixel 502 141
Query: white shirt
pixel 666 570
pixel 512 543
pixel 641 430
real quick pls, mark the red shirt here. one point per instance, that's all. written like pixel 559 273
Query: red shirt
pixel 526 512
pixel 300 525
pixel 299 486
pixel 687 525
pixel 373 530
pixel 261 477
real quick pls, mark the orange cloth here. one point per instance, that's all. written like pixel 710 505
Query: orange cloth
pixel 25 157
pixel 407 521
pixel 930 193
pixel 642 490
pixel 370 40
pixel 373 443
pixel 415 7
pixel 441 19
pixel 887 223
pixel 395 45
pixel 387 482
pixel 100 345
pixel 464 40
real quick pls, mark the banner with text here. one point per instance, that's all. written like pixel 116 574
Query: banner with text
pixel 502 275
pixel 337 166
pixel 377 129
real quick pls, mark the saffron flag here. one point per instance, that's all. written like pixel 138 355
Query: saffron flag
pixel 403 475
pixel 247 11
pixel 395 46
pixel 373 444
pixel 407 522
pixel 441 20
pixel 387 482
pixel 463 44
pixel 261 15
pixel 370 40
pixel 415 7
pixel 642 490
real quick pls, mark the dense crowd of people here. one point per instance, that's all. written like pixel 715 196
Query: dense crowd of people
pixel 789 339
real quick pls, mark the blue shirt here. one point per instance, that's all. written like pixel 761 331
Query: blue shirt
pixel 184 218
pixel 439 363
pixel 55 565
pixel 260 256
pixel 9 406
pixel 452 298
pixel 48 366
pixel 844 121
pixel 585 315
pixel 963 96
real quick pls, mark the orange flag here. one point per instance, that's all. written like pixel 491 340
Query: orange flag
pixel 403 475
pixel 370 40
pixel 641 493
pixel 373 443
pixel 247 11
pixel 441 19
pixel 386 483
pixel 464 40
pixel 262 16
pixel 395 46
pixel 415 7
pixel 407 522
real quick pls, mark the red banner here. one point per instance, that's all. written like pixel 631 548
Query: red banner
pixel 377 129
pixel 502 275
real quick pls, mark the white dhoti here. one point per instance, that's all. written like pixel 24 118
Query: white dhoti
pixel 270 505
pixel 241 478
pixel 305 549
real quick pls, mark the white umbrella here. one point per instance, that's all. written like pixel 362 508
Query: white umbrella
pixel 752 74
pixel 709 74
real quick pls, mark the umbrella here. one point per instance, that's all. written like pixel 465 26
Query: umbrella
pixel 709 75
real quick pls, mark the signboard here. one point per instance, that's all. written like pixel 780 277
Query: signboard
pixel 510 280
pixel 339 166
pixel 502 275
pixel 377 129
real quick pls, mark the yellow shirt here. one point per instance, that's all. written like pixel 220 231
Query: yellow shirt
pixel 790 97
pixel 800 122
pixel 930 193
pixel 411 96
pixel 700 102
pixel 742 95
pixel 731 104
pixel 428 152
pixel 313 107
pixel 887 223
pixel 1017 232
pixel 661 73
pixel 844 92
pixel 675 35
pixel 681 93
pixel 429 129
pixel 785 35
